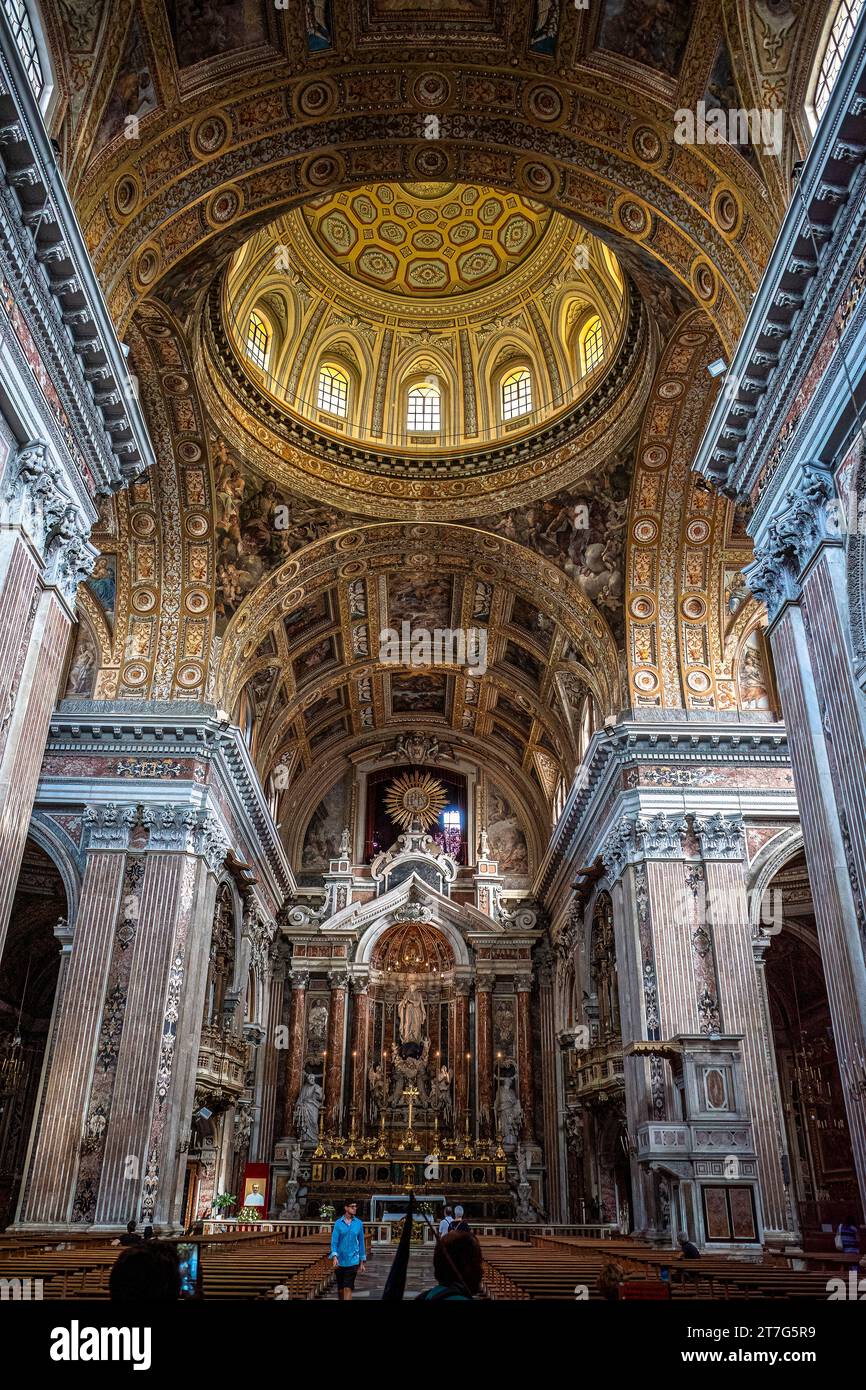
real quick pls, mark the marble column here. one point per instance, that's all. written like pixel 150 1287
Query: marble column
pixel 552 1132
pixel 806 576
pixel 120 1081
pixel 55 1145
pixel 525 1071
pixel 297 1036
pixel 460 1050
pixel 336 1051
pixel 484 1035
pixel 44 554
pixel 265 1135
pixel 360 1030
pixel 742 1007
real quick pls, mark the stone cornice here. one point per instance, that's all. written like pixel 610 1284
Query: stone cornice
pixel 138 736
pixel 798 292
pixel 55 288
pixel 686 743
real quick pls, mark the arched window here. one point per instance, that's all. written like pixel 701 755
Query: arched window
pixel 841 33
pixel 25 42
pixel 612 265
pixel 591 344
pixel 516 394
pixel 258 340
pixel 424 409
pixel 333 391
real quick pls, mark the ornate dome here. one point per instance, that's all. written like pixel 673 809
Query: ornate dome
pixel 435 239
pixel 420 317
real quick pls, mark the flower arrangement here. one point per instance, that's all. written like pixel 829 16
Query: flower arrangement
pixel 327 1212
pixel 224 1202
pixel 250 1214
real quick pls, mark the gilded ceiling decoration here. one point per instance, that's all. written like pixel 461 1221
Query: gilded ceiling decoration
pixel 415 798
pixel 310 119
pixel 315 315
pixel 426 238
pixel 412 948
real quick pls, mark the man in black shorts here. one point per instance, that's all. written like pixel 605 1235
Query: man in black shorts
pixel 347 1249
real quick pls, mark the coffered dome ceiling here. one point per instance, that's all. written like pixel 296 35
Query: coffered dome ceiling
pixel 432 239
pixel 443 286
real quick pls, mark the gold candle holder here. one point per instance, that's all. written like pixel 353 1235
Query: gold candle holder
pixel 381 1151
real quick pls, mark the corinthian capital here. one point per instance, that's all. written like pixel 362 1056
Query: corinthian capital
pixel 720 836
pixel 171 827
pixel 109 825
pixel 810 519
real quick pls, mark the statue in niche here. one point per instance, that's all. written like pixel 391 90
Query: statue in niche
pixel 508 1110
pixel 310 1101
pixel 412 1014
pixel 345 847
pixel 317 1028
pixel 376 1083
pixel 442 1102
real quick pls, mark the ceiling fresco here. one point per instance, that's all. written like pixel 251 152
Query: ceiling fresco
pixel 433 169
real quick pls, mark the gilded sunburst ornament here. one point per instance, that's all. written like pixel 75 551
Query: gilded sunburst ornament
pixel 415 797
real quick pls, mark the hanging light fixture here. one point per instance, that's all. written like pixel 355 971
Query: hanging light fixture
pixel 12 1050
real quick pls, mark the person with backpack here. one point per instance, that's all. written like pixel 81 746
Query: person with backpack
pixel 447 1222
pixel 457 1267
pixel 459 1223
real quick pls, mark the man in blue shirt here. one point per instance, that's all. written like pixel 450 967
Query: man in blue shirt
pixel 347 1249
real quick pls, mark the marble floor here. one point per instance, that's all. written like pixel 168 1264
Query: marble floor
pixel 370 1285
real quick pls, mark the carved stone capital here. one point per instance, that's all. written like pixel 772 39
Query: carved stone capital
pixel 300 978
pixel 109 825
pixel 171 827
pixel 338 979
pixel 211 843
pixel 659 835
pixel 617 849
pixel 185 830
pixel 812 518
pixel 36 499
pixel 720 836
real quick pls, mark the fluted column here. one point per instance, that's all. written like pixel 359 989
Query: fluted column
pixel 524 1057
pixel 56 1147
pixel 803 572
pixel 119 1095
pixel 44 554
pixel 270 1058
pixel 484 1033
pixel 360 1022
pixel 336 1050
pixel 461 1048
pixel 297 1025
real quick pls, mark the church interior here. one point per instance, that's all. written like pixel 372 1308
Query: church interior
pixel 433 638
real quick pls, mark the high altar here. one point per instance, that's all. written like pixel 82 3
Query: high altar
pixel 410 1050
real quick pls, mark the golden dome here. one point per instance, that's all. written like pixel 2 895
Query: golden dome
pixel 430 239
pixel 423 317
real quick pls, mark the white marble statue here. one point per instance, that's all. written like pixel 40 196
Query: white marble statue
pixel 307 1107
pixel 412 1014
pixel 509 1111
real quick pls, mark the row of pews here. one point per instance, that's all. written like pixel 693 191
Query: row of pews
pixel 231 1268
pixel 568 1268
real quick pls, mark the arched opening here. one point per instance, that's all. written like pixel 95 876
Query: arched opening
pixel 258 340
pixel 516 394
pixel 332 393
pixel 592 345
pixel 838 34
pixel 811 1080
pixel 424 409
pixel 29 971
